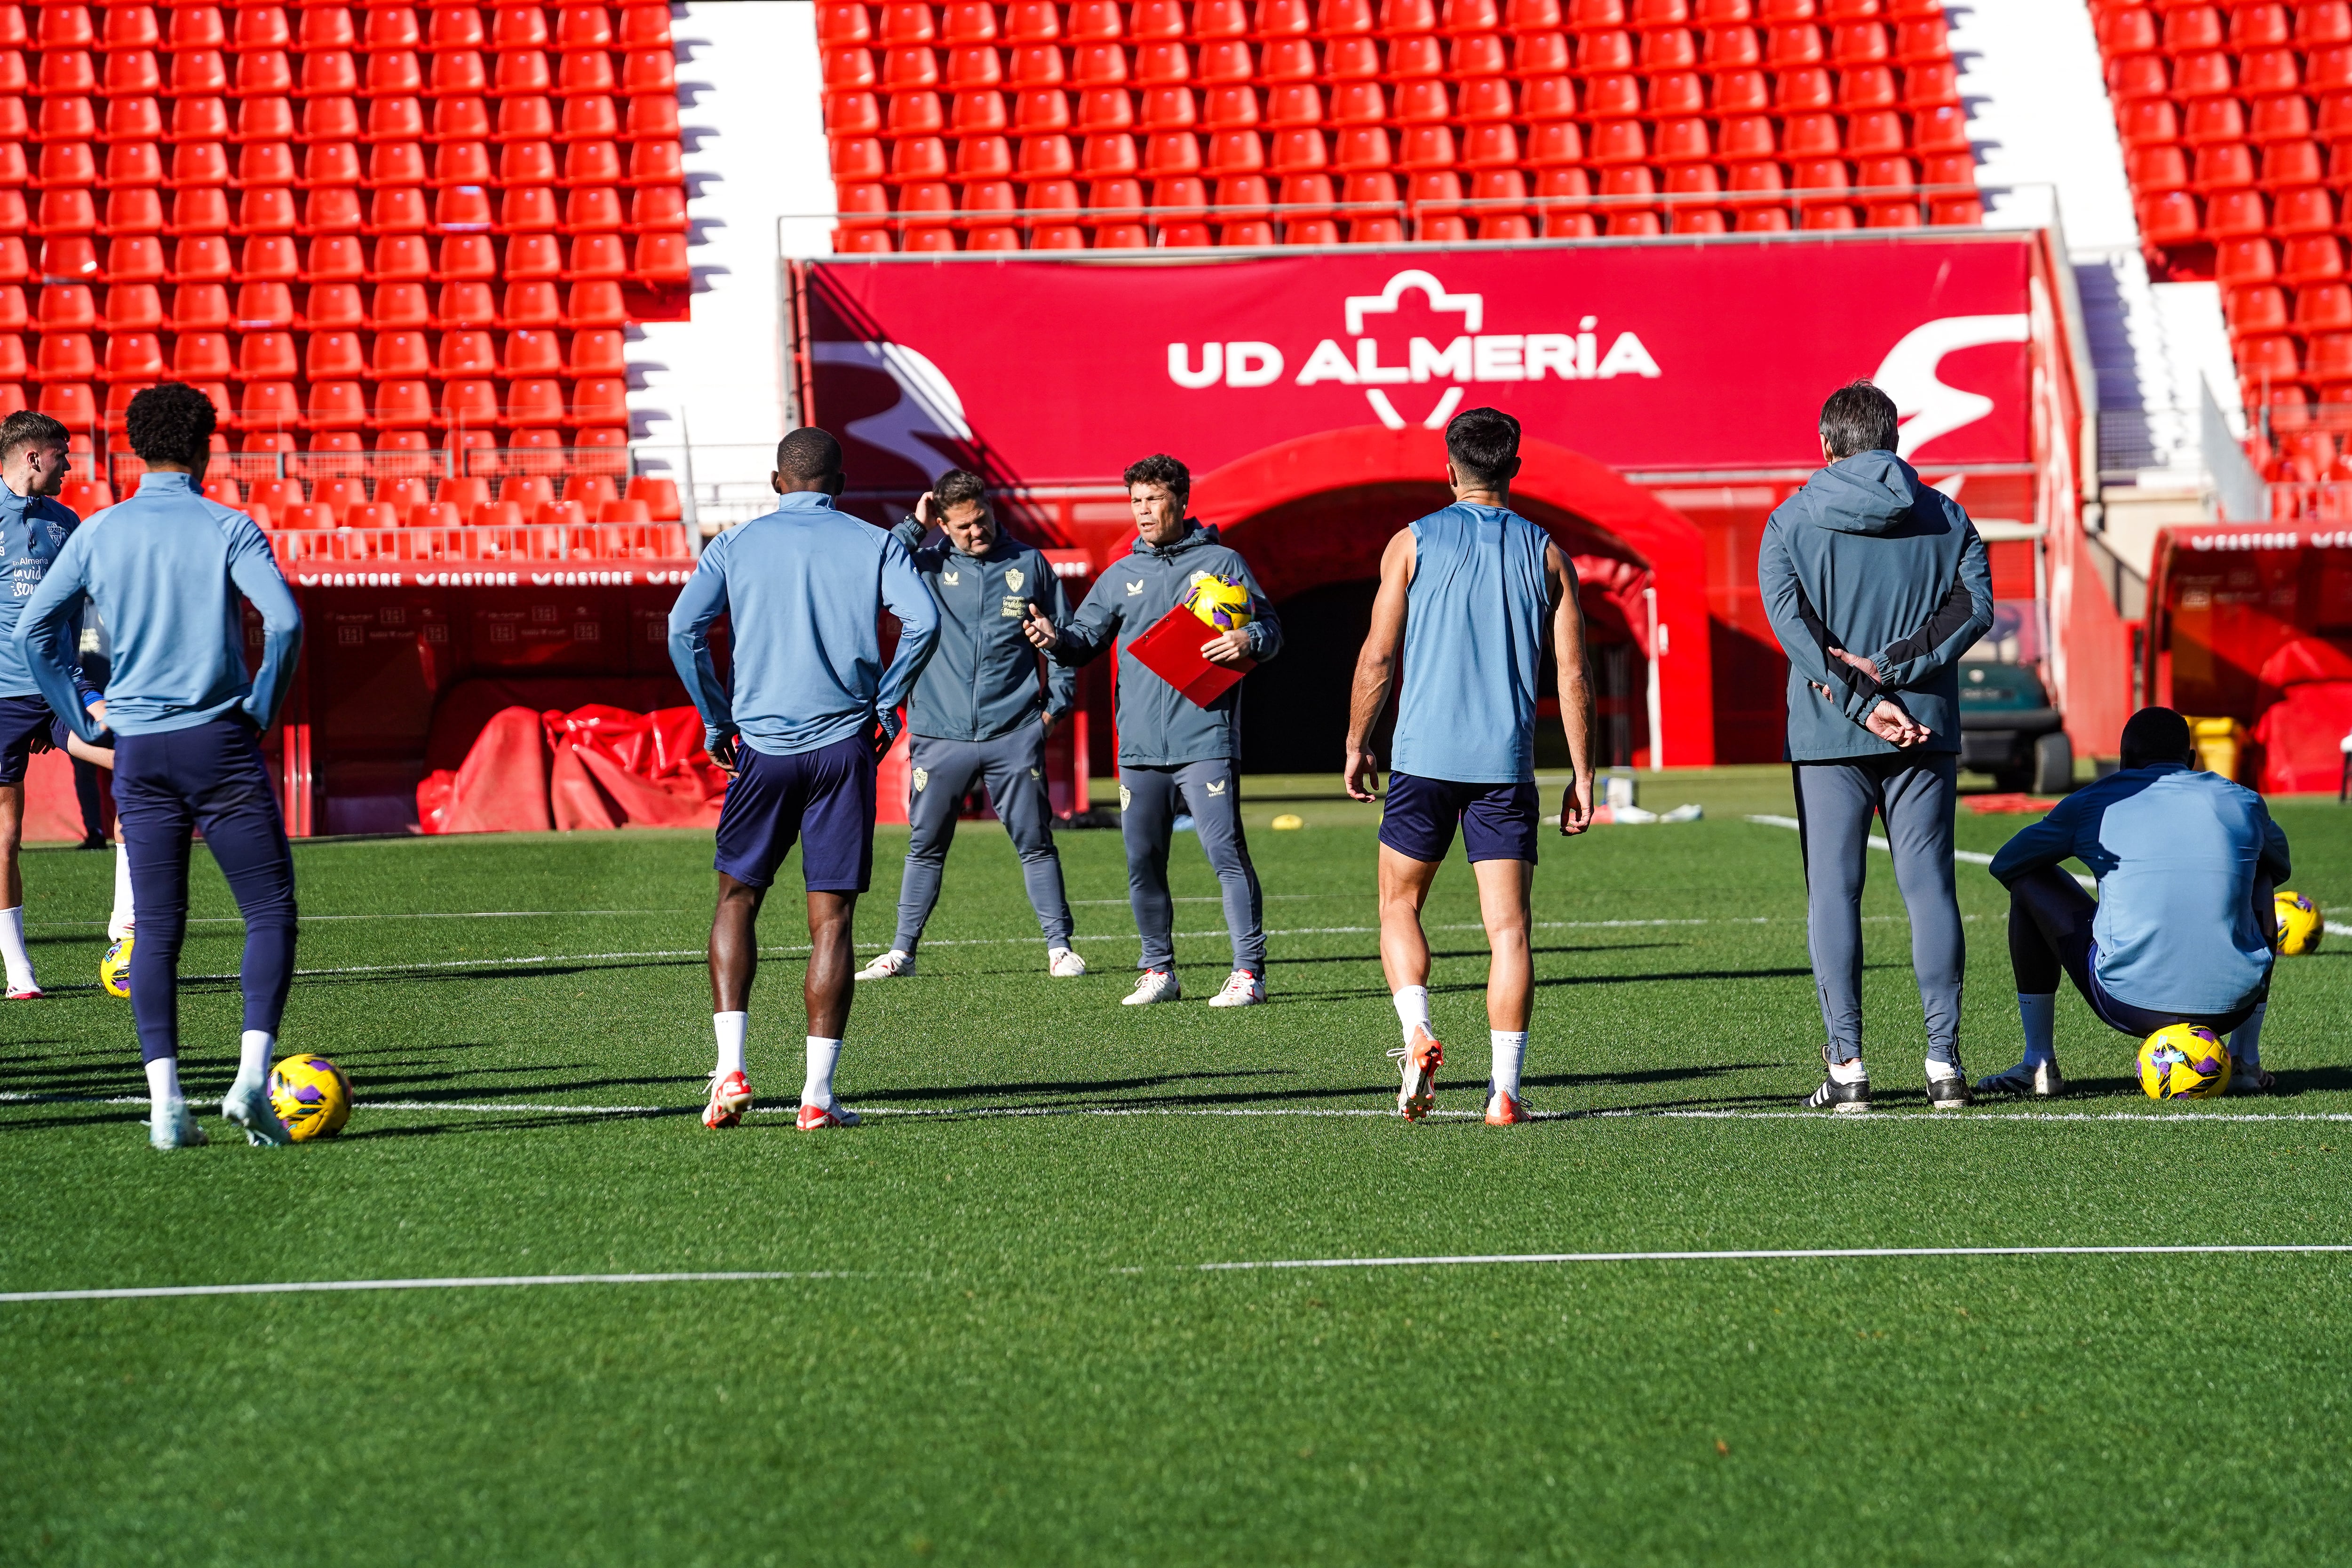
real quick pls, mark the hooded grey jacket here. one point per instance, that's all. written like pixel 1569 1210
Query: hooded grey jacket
pixel 980 680
pixel 1868 559
pixel 1158 727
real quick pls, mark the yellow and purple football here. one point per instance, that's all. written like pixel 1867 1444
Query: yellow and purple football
pixel 1219 601
pixel 311 1096
pixel 2300 924
pixel 2183 1061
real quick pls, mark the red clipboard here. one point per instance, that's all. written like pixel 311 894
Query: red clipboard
pixel 1170 649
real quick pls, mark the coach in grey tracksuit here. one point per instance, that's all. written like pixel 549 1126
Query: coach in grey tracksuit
pixel 1173 756
pixel 1876 584
pixel 979 711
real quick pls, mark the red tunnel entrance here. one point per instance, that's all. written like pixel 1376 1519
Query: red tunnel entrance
pixel 1312 516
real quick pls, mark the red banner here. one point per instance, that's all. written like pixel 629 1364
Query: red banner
pixel 1647 357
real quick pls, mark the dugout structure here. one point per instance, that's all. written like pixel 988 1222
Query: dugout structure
pixel 2254 625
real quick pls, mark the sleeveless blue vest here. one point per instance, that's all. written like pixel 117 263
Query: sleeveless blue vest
pixel 1474 629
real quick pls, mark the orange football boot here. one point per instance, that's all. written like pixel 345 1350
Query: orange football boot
pixel 1505 1109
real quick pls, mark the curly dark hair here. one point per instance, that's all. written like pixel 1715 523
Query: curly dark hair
pixel 172 423
pixel 1160 468
pixel 809 453
pixel 1485 445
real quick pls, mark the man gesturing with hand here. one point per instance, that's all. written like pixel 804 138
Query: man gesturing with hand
pixel 1876 583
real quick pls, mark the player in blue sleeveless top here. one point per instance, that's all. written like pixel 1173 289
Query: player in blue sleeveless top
pixel 1468 594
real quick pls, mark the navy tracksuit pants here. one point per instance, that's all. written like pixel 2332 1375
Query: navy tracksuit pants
pixel 208 776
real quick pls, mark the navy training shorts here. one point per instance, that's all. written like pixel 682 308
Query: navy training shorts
pixel 1497 820
pixel 23 720
pixel 822 799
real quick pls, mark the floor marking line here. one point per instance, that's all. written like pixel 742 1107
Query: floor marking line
pixel 457 1282
pixel 1773 1254
pixel 945 1112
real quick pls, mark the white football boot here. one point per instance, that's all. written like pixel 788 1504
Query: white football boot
pixel 890 966
pixel 816 1118
pixel 248 1104
pixel 173 1126
pixel 1153 986
pixel 1063 964
pixel 1242 989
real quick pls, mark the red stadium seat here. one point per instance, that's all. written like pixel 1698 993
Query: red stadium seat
pixel 2325 307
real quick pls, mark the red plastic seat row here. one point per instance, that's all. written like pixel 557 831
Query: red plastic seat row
pixel 391 257
pixel 2263 307
pixel 338 117
pixel 326 355
pixel 197 307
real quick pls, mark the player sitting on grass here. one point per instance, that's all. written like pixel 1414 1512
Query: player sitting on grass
pixel 1466 594
pixel 1174 755
pixel 809 712
pixel 33 528
pixel 165 570
pixel 2182 929
pixel 980 714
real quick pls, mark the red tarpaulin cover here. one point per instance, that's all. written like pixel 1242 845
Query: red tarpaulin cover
pixel 595 766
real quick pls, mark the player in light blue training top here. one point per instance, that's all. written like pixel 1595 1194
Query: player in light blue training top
pixel 2184 926
pixel 33 527
pixel 811 710
pixel 167 569
pixel 1467 595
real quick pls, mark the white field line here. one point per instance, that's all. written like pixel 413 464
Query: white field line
pixel 427 964
pixel 1977 857
pixel 465 1282
pixel 1778 1253
pixel 459 1282
pixel 952 1112
pixel 424 915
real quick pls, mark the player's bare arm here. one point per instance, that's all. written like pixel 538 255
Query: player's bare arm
pixel 1376 666
pixel 1575 671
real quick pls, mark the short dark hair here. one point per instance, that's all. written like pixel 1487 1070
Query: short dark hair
pixel 1484 444
pixel 958 485
pixel 2156 735
pixel 172 422
pixel 809 453
pixel 1858 418
pixel 26 428
pixel 1160 468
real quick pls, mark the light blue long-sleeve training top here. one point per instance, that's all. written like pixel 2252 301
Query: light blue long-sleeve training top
pixel 2176 853
pixel 165 569
pixel 800 588
pixel 33 529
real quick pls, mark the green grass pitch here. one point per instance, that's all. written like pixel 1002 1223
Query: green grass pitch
pixel 998 1346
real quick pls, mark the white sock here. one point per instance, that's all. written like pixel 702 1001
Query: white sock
pixel 1510 1055
pixel 12 949
pixel 255 1050
pixel 118 924
pixel 731 1028
pixel 1942 1070
pixel 1412 1010
pixel 2246 1039
pixel 1848 1072
pixel 817 1089
pixel 164 1082
pixel 2038 1016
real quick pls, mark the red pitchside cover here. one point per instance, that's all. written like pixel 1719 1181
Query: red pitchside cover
pixel 1171 650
